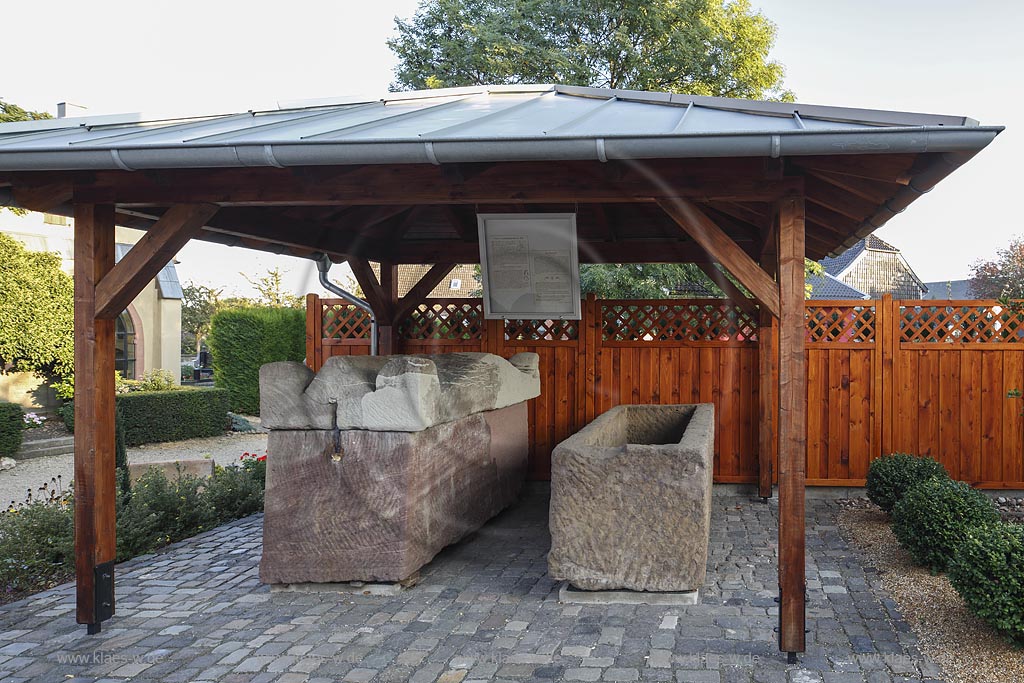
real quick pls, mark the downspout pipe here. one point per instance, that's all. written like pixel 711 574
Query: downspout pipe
pixel 323 264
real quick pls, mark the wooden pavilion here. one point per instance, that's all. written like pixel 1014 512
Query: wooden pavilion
pixel 652 177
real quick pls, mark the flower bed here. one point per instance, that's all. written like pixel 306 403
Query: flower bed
pixel 37 537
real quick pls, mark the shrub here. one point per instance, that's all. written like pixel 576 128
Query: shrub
pixel 933 518
pixel 242 340
pixel 67 414
pixel 891 476
pixel 988 572
pixel 12 427
pixel 36 547
pixel 234 492
pixel 158 511
pixel 154 416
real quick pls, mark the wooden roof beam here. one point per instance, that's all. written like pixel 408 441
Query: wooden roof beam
pixel 724 250
pixel 145 259
pixel 520 182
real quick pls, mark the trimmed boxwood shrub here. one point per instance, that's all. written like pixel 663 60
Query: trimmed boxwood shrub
pixel 154 416
pixel 244 339
pixel 988 572
pixel 934 517
pixel 12 428
pixel 891 476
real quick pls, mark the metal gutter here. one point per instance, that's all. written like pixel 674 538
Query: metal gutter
pixel 548 148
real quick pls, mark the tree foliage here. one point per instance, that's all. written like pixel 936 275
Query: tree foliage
pixel 1001 277
pixel 657 280
pixel 36 312
pixel 12 112
pixel 699 47
pixel 272 291
pixel 197 308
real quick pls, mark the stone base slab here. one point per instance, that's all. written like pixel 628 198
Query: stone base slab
pixel 571 595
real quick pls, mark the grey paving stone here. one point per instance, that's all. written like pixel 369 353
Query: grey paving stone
pixel 484 610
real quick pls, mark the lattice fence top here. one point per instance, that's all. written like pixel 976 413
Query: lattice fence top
pixel 692 321
pixel 957 323
pixel 840 324
pixel 445 319
pixel 542 330
pixel 342 321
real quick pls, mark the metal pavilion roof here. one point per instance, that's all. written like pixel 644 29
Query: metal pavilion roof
pixel 496 123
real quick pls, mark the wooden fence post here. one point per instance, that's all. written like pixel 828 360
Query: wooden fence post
pixel 314 331
pixel 767 354
pixel 887 337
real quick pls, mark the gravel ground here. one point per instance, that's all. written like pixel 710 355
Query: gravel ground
pixel 967 649
pixel 33 473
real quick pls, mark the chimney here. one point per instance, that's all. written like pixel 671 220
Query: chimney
pixel 65 109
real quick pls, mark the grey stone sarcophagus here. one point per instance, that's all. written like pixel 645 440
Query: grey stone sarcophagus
pixel 378 462
pixel 631 499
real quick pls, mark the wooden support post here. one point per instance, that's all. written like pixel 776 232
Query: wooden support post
pixel 94 418
pixel 387 328
pixel 792 427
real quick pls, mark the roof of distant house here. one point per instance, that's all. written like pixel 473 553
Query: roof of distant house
pixel 837 266
pixel 949 289
pixel 825 286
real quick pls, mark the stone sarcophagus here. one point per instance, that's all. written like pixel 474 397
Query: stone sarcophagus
pixel 379 462
pixel 631 500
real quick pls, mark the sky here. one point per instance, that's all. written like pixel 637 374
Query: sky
pixel 188 57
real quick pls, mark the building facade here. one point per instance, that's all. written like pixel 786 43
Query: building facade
pixel 148 331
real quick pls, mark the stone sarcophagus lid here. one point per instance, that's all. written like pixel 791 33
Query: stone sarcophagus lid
pixel 631 500
pixel 379 462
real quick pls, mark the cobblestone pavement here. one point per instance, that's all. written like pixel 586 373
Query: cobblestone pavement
pixel 485 610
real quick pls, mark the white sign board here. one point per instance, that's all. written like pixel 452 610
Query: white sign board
pixel 529 265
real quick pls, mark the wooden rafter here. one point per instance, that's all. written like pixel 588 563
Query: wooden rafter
pixel 372 289
pixel 146 258
pixel 891 168
pixel 432 278
pixel 43 197
pixel 731 291
pixel 873 191
pixel 724 250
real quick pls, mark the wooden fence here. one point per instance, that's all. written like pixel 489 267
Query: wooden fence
pixel 926 377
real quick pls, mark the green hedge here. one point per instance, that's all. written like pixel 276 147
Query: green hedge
pixel 12 428
pixel 988 572
pixel 153 416
pixel 242 340
pixel 935 516
pixel 891 476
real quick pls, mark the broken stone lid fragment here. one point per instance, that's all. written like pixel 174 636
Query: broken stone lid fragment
pixel 406 393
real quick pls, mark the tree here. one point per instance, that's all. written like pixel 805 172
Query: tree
pixel 641 280
pixel 37 313
pixel 197 308
pixel 1001 277
pixel 12 112
pixel 699 47
pixel 272 291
